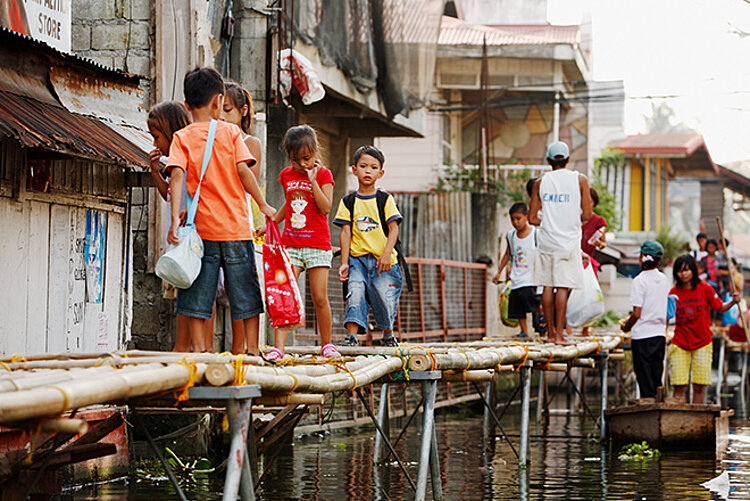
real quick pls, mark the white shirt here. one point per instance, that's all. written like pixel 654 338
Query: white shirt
pixel 522 255
pixel 649 292
pixel 560 231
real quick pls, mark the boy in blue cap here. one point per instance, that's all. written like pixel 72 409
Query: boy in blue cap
pixel 564 198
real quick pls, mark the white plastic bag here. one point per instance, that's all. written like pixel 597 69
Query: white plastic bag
pixel 302 75
pixel 587 304
pixel 181 263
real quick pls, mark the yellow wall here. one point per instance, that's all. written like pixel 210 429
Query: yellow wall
pixel 636 196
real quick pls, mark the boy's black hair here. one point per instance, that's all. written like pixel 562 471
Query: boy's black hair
pixel 651 264
pixel 297 138
pixel 594 196
pixel 201 85
pixel 558 162
pixel 530 186
pixel 369 150
pixel 682 262
pixel 712 241
pixel 518 207
pixel 701 235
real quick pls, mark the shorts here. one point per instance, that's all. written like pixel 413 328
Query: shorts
pixel 240 276
pixel 368 288
pixel 680 361
pixel 522 300
pixel 559 271
pixel 310 257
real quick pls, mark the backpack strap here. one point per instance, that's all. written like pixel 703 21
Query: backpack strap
pixel 381 197
pixel 349 204
pixel 193 202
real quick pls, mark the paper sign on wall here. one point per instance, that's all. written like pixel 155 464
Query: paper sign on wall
pixel 96 229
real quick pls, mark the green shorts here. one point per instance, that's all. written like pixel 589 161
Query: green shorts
pixel 310 257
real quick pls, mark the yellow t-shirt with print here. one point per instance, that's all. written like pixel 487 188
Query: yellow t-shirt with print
pixel 368 236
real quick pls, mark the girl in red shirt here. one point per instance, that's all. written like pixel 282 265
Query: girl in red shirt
pixel 691 344
pixel 308 188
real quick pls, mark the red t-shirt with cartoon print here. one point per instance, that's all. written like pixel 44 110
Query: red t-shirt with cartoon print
pixel 693 318
pixel 304 224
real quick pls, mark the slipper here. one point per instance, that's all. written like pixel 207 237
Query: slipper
pixel 273 355
pixel 329 351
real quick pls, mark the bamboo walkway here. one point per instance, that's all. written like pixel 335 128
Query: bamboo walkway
pixel 43 392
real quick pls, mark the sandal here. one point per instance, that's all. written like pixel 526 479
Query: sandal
pixel 329 351
pixel 273 355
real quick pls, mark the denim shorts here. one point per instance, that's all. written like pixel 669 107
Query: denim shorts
pixel 310 257
pixel 240 280
pixel 382 290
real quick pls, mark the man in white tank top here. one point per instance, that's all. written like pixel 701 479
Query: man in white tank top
pixel 563 197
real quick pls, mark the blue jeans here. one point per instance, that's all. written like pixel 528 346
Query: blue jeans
pixel 383 291
pixel 240 280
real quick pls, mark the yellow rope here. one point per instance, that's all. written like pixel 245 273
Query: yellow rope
pixel 18 357
pixel 239 371
pixel 66 399
pixel 296 382
pixel 5 366
pixel 193 376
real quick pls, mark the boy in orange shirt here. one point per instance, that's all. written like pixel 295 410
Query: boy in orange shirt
pixel 221 217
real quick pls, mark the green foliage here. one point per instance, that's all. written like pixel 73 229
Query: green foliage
pixel 674 245
pixel 461 178
pixel 610 319
pixel 190 471
pixel 638 452
pixel 607 207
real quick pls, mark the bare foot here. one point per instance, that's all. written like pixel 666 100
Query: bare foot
pixel 561 341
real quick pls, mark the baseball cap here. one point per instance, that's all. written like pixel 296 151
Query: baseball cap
pixel 558 149
pixel 651 248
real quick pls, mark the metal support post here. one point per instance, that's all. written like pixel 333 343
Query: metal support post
pixel 437 485
pixel 487 425
pixel 160 456
pixel 540 396
pixel 429 389
pixel 578 384
pixel 238 413
pixel 743 384
pixel 523 453
pixel 720 370
pixel 604 368
pixel 384 421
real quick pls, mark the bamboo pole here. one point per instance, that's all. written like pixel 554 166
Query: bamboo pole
pixel 29 381
pixel 731 278
pixel 223 374
pixel 65 425
pixel 119 361
pixel 476 376
pixel 119 386
pixel 291 398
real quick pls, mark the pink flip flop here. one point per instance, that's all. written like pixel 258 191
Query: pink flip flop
pixel 273 355
pixel 329 351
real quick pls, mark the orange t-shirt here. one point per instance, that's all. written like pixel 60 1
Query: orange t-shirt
pixel 222 207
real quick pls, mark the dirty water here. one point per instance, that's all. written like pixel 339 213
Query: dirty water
pixel 567 464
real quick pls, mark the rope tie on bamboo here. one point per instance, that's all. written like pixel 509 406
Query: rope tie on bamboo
pixel 431 354
pixel 239 371
pixel 66 398
pixel 399 352
pixel 296 382
pixel 525 356
pixel 5 366
pixel 102 358
pixel 18 357
pixel 546 366
pixel 499 362
pixel 192 377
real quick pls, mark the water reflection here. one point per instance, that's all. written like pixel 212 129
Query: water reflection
pixel 565 465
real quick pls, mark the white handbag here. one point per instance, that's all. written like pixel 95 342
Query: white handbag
pixel 181 263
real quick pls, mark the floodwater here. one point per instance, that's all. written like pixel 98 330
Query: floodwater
pixel 567 464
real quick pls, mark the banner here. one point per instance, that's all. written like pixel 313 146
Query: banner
pixel 44 20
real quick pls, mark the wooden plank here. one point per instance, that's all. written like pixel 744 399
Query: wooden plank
pixel 13 266
pixel 114 280
pixel 37 277
pixel 59 249
pixel 76 278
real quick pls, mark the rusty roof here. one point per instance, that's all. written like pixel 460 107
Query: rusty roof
pixel 457 32
pixel 676 145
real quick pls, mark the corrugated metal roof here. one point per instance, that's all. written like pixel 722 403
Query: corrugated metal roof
pixel 665 143
pixel 457 32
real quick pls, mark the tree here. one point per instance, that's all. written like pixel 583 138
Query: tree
pixel 607 207
pixel 661 119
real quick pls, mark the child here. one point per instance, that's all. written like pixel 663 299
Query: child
pixel 238 110
pixel 164 120
pixel 647 323
pixel 221 217
pixel 691 344
pixel 564 198
pixel 521 252
pixel 308 188
pixel 369 261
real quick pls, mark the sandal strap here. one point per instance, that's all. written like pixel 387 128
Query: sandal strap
pixel 329 351
pixel 274 354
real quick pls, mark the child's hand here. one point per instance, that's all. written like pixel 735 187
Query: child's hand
pixel 496 278
pixel 312 174
pixel 172 235
pixel 153 158
pixel 260 231
pixel 183 216
pixel 736 298
pixel 268 210
pixel 384 263
pixel 344 272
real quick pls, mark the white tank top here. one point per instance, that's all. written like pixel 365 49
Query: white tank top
pixel 249 199
pixel 560 231
pixel 522 254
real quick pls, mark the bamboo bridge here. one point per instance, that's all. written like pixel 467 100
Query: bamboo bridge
pixel 42 394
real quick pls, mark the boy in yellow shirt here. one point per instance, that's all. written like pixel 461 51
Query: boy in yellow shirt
pixel 369 261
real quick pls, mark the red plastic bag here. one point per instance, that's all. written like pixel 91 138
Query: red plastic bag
pixel 285 306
